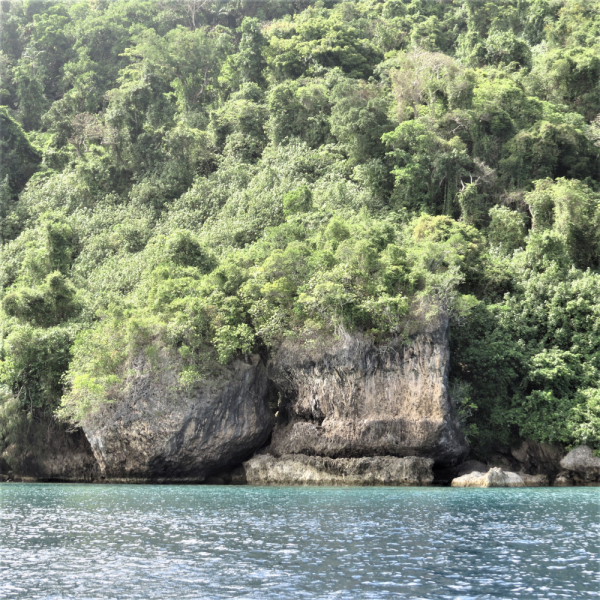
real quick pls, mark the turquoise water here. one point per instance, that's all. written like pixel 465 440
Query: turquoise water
pixel 95 541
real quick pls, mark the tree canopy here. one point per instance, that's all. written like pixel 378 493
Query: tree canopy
pixel 213 177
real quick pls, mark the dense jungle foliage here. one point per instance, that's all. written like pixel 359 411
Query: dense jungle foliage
pixel 212 177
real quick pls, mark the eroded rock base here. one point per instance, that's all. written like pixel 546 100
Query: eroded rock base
pixel 351 398
pixel 299 469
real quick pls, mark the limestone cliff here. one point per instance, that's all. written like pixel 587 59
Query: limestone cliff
pixel 48 451
pixel 351 398
pixel 339 399
pixel 158 431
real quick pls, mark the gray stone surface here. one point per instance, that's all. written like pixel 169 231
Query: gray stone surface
pixel 300 469
pixel 157 431
pixel 350 398
pixel 534 457
pixel 581 460
pixel 495 477
pixel 57 455
pixel 564 479
pixel 582 465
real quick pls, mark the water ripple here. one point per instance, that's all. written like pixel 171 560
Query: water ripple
pixel 92 542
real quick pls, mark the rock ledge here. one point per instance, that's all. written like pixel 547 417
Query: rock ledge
pixel 299 469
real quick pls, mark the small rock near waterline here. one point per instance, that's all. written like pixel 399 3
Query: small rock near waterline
pixel 495 477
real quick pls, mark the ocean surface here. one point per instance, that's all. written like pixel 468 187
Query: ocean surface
pixel 205 542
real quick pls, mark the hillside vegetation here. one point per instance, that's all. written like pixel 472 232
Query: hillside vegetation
pixel 211 178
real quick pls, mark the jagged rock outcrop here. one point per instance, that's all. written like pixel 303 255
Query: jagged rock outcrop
pixel 157 431
pixel 564 479
pixel 351 398
pixel 537 458
pixel 50 452
pixel 299 469
pixel 582 466
pixel 495 477
pixel 462 472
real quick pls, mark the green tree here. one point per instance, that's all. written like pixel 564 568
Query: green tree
pixel 319 39
pixel 572 210
pixel 28 76
pixel 19 159
pixel 428 169
pixel 359 119
pixel 248 64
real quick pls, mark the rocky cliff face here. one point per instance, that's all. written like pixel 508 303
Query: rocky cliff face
pixel 581 467
pixel 538 458
pixel 159 432
pixel 350 412
pixel 50 452
pixel 353 399
pixel 68 458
